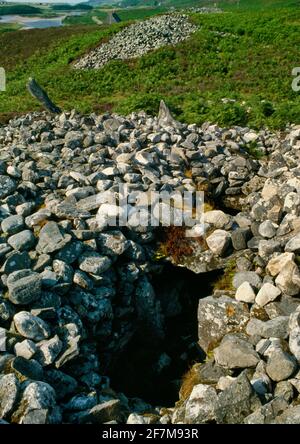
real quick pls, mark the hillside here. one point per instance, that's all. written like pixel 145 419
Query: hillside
pixel 246 57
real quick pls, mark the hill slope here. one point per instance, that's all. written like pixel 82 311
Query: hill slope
pixel 246 57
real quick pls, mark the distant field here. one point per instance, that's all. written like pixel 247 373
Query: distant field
pixel 125 15
pixel 20 10
pixel 246 56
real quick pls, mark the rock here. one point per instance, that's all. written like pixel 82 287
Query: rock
pixel 48 350
pixel 38 398
pixel 27 368
pixel 293 244
pixel 218 317
pixel 275 328
pixel 62 383
pixel 112 243
pixel 51 239
pixel 284 389
pixel 246 276
pixel 201 404
pixel 9 392
pixel 245 293
pixel 267 413
pixel 235 352
pixel 288 280
pixel 240 237
pixel 218 242
pixel 94 263
pixel 26 349
pixel 280 365
pixel 294 334
pixel 24 240
pixel 290 416
pixel 138 39
pixel 31 327
pixel 266 294
pixel 267 229
pixel 7 186
pixel 237 401
pixel 217 218
pixel 276 264
pixel 107 411
pixel 82 402
pixel 12 224
pixel 24 287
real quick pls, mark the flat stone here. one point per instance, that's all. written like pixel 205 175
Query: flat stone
pixel 235 352
pixel 51 238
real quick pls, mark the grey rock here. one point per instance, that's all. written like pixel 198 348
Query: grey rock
pixel 24 287
pixel 31 327
pixel 51 238
pixel 92 262
pixel 246 276
pixel 237 401
pixel 280 365
pixel 24 240
pixel 235 352
pixel 12 224
pixel 201 405
pixel 9 392
pixel 218 317
pixel 274 328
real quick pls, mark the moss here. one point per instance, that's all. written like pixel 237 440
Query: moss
pixel 225 281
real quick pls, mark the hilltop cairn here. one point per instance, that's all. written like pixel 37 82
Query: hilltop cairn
pixel 138 39
pixel 73 290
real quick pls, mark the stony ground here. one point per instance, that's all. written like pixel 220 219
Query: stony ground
pixel 140 38
pixel 74 291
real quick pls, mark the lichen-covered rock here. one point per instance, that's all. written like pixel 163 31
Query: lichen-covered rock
pixel 219 316
pixel 237 401
pixel 235 352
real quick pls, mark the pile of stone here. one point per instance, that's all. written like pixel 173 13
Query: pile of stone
pixel 74 290
pixel 138 39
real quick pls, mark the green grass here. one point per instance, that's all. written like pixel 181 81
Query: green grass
pixel 250 64
pixel 20 10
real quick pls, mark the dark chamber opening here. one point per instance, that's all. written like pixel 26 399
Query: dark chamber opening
pixel 136 371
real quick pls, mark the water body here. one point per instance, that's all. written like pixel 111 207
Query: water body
pixel 35 22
